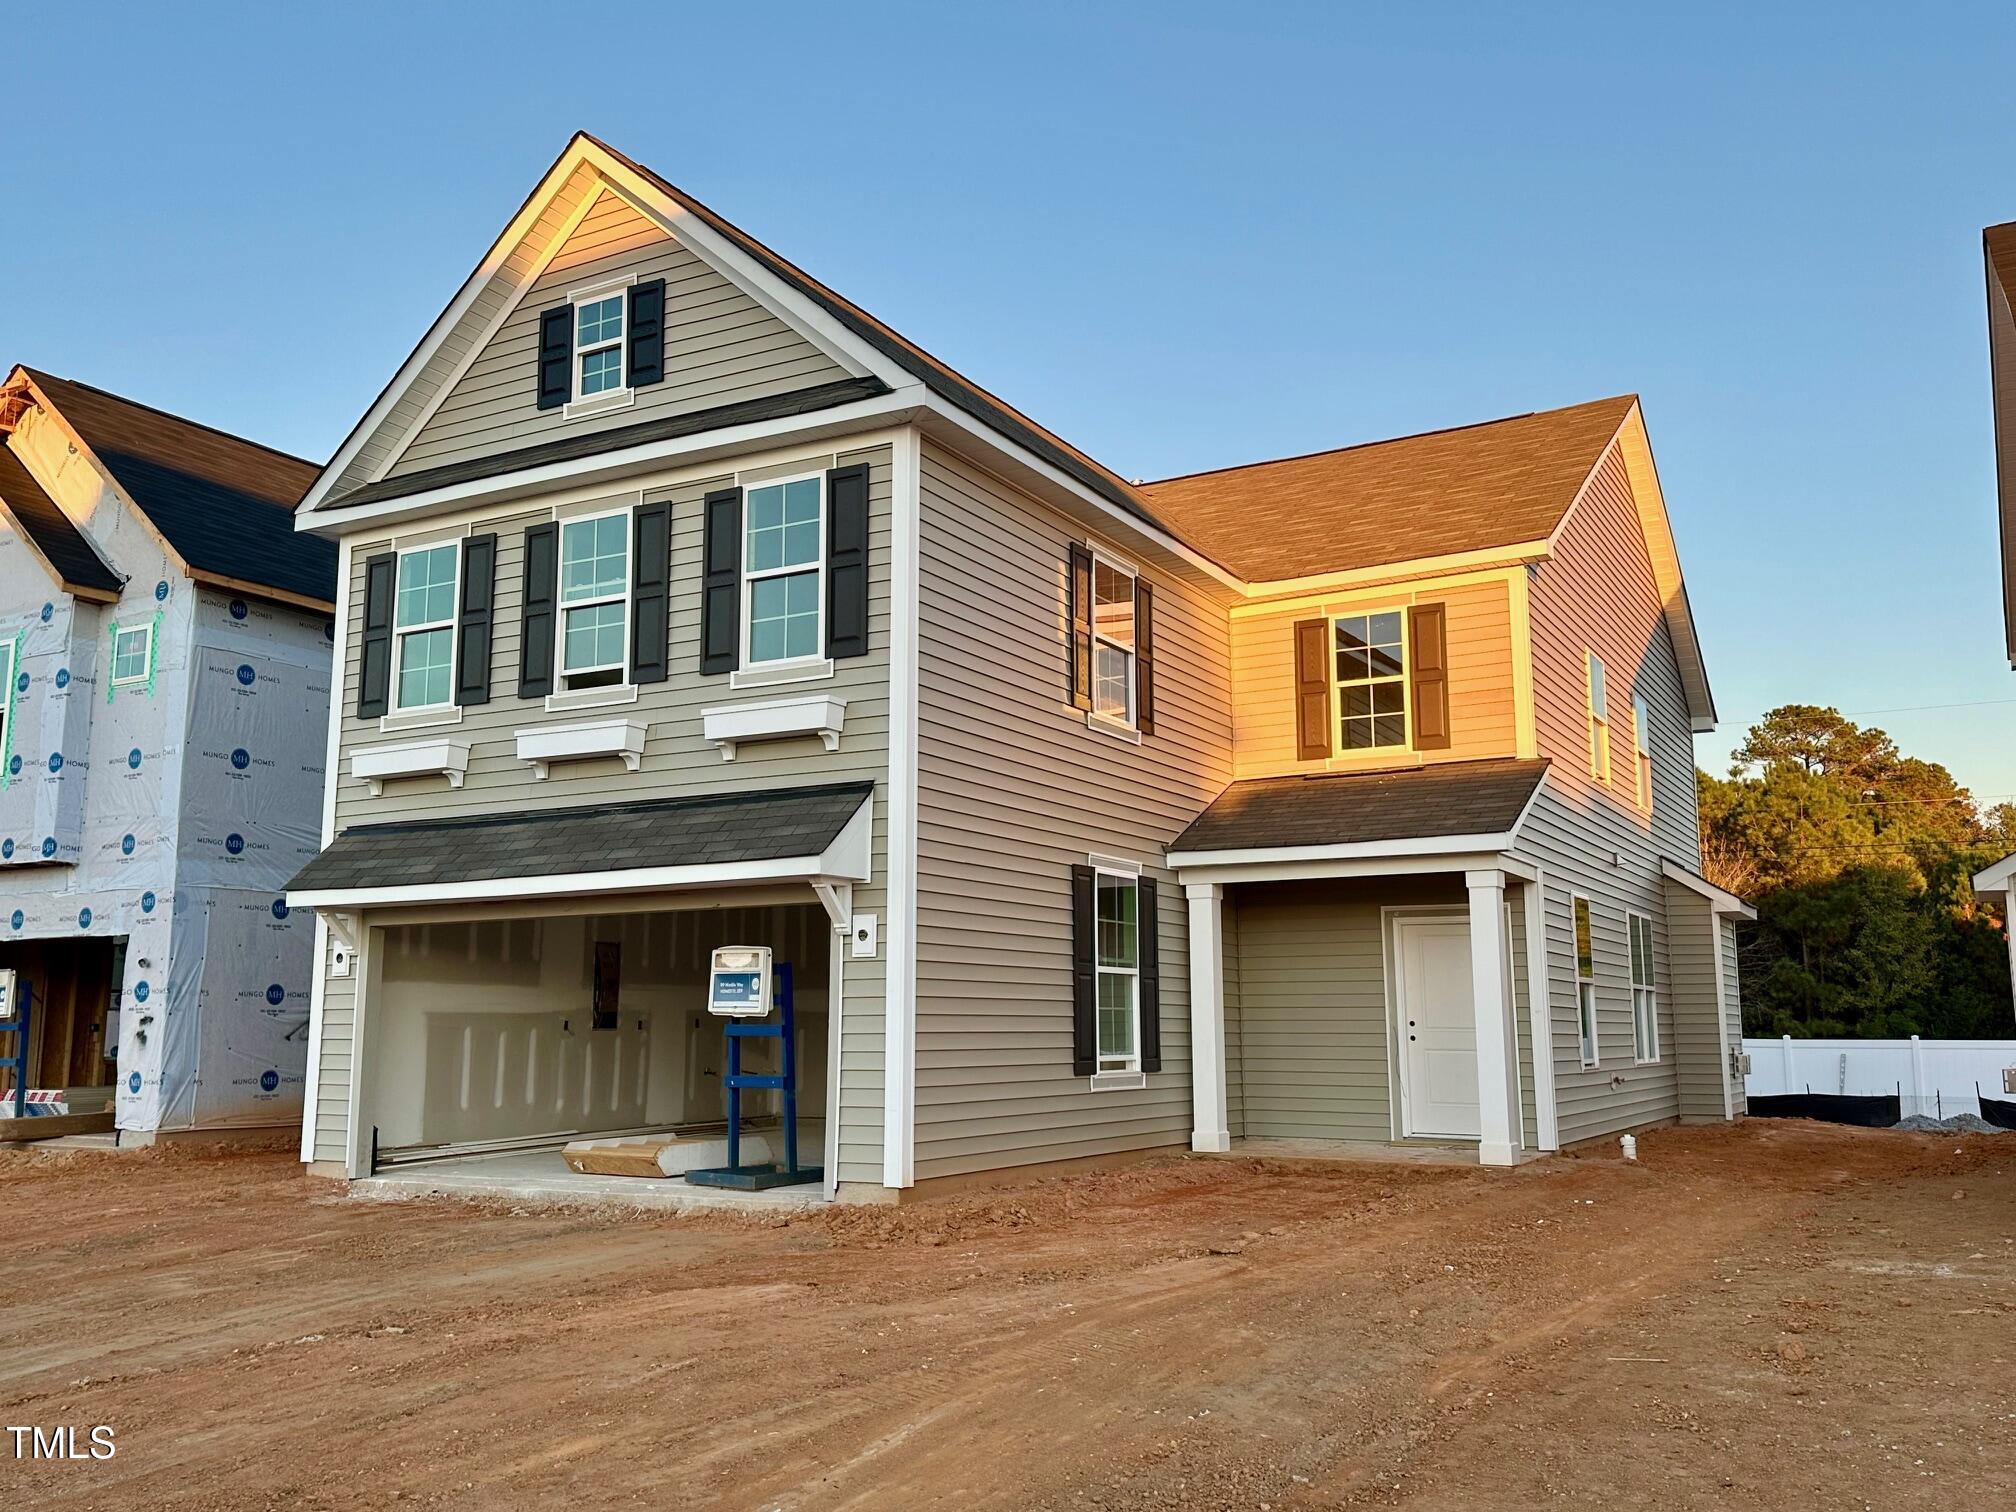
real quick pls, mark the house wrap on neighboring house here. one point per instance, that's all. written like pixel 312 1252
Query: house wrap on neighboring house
pixel 685 604
pixel 164 678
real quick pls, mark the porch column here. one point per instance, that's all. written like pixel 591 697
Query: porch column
pixel 1210 1128
pixel 1491 990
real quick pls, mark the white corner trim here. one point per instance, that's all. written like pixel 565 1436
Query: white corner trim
pixel 542 745
pixel 1546 1111
pixel 730 725
pixel 331 766
pixel 782 674
pixel 899 1019
pixel 447 756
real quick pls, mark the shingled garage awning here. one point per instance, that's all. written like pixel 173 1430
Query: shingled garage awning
pixel 817 835
pixel 1458 808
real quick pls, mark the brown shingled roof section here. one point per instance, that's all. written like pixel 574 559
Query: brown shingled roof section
pixel 1471 489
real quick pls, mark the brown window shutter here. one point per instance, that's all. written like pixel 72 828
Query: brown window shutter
pixel 1084 972
pixel 1312 689
pixel 1428 675
pixel 1144 658
pixel 1078 653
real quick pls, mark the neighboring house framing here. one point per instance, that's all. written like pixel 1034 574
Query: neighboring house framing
pixel 164 670
pixel 1096 817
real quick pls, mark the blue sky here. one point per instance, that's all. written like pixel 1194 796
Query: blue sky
pixel 1182 235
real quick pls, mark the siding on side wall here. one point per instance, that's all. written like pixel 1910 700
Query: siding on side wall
pixel 1695 989
pixel 1598 592
pixel 332 1088
pixel 721 347
pixel 1012 790
pixel 1482 716
pixel 1732 1010
pixel 1235 1090
pixel 677 762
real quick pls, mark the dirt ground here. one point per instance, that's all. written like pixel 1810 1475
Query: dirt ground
pixel 1766 1315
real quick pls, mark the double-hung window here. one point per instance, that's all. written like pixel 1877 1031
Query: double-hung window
pixel 423 626
pixel 1641 735
pixel 1113 644
pixel 1644 991
pixel 1585 980
pixel 784 571
pixel 1599 721
pixel 598 344
pixel 1371 657
pixel 132 650
pixel 1117 911
pixel 594 600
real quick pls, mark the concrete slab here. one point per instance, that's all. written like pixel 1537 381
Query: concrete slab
pixel 541 1178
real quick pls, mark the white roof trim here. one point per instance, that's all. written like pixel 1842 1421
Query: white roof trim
pixel 1996 878
pixel 847 859
pixel 1724 902
pixel 1227 868
pixel 1417 845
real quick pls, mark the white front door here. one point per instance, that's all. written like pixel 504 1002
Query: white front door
pixel 1438 1027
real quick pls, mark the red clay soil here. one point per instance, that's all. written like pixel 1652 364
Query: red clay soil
pixel 1769 1315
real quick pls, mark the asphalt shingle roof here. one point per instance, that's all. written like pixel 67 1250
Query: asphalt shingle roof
pixel 224 503
pixel 1345 808
pixel 710 831
pixel 61 543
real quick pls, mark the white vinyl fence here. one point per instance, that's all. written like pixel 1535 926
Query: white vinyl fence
pixel 1935 1077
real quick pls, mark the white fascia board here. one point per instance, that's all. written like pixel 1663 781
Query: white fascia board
pixel 1201 867
pixel 1409 571
pixel 1360 850
pixel 604 467
pixel 1996 878
pixel 1722 900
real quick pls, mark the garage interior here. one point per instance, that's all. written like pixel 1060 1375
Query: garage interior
pixel 73 1022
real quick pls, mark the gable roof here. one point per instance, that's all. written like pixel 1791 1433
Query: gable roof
pixel 1501 483
pixel 224 505
pixel 1998 252
pixel 49 533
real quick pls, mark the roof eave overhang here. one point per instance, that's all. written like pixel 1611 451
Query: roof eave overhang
pixel 1720 899
pixel 1369 858
pixel 1998 878
pixel 88 591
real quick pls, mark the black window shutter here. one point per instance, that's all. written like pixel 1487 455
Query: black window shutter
pixel 1151 978
pixel 374 678
pixel 644 362
pixel 721 583
pixel 1084 975
pixel 650 592
pixel 537 610
pixel 472 620
pixel 847 561
pixel 1144 657
pixel 1078 651
pixel 556 356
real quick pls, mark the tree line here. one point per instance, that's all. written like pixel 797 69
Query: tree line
pixel 1858 859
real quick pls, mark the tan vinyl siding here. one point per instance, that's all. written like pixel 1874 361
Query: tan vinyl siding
pixel 384 438
pixel 1732 1010
pixel 332 1087
pixel 1013 788
pixel 677 762
pixel 1235 1090
pixel 1598 592
pixel 1694 986
pixel 721 347
pixel 1482 713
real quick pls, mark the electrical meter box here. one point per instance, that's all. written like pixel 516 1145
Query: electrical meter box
pixel 738 982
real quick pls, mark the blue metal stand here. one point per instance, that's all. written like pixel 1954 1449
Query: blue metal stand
pixel 19 1059
pixel 756 1178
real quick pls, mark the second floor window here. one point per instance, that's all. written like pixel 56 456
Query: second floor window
pixel 131 652
pixel 1641 734
pixel 1599 721
pixel 594 600
pixel 1112 642
pixel 783 569
pixel 1371 659
pixel 598 344
pixel 424 627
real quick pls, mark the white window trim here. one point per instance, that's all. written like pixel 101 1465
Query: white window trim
pixel 144 628
pixel 401 632
pixel 1589 1045
pixel 1115 1067
pixel 561 671
pixel 818 664
pixel 1646 1019
pixel 1641 742
pixel 1600 754
pixel 614 398
pixel 1131 725
pixel 1338 750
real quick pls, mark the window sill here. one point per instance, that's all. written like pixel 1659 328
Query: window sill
pixel 420 719
pixel 778 674
pixel 1118 729
pixel 601 404
pixel 1118 1081
pixel 591 698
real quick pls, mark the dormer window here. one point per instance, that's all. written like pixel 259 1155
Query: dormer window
pixel 598 344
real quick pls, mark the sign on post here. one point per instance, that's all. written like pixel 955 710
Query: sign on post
pixel 738 982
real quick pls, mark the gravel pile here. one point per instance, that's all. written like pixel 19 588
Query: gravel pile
pixel 1959 1123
